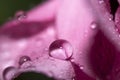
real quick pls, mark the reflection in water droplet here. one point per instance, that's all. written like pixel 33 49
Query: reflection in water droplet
pixel 61 49
pixel 20 15
pixel 27 65
pixel 24 59
pixel 93 25
pixel 9 73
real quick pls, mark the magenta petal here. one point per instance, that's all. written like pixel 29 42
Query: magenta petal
pixel 117 19
pixel 86 25
pixel 29 37
pixel 80 74
pixel 75 26
pixel 44 12
pixel 78 26
pixel 102 56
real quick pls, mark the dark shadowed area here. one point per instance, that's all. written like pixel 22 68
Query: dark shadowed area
pixel 32 76
pixel 102 55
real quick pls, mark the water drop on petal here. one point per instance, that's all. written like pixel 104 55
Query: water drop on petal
pixel 81 67
pixel 101 1
pixel 72 60
pixel 24 59
pixel 110 18
pixel 73 78
pixel 61 49
pixel 20 15
pixel 116 29
pixel 93 25
pixel 9 73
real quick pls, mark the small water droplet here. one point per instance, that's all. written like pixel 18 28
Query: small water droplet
pixel 110 17
pixel 93 25
pixel 24 59
pixel 20 15
pixel 116 29
pixel 119 35
pixel 117 21
pixel 81 67
pixel 61 49
pixel 73 78
pixel 101 1
pixel 72 60
pixel 9 73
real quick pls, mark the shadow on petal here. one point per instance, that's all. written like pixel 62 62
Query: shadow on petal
pixel 79 74
pixel 102 56
pixel 24 29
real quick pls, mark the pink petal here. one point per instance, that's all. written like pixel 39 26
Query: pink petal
pixel 29 37
pixel 74 24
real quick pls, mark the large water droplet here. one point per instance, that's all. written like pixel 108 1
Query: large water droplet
pixel 9 73
pixel 20 15
pixel 61 49
pixel 24 59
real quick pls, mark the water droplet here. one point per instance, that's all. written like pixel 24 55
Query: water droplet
pixel 93 25
pixel 9 73
pixel 119 35
pixel 72 60
pixel 20 15
pixel 110 17
pixel 24 59
pixel 81 67
pixel 73 78
pixel 61 49
pixel 101 1
pixel 116 29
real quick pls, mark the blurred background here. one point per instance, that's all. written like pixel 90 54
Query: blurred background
pixel 9 7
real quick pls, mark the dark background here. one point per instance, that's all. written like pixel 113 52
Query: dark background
pixel 9 7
